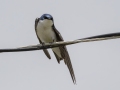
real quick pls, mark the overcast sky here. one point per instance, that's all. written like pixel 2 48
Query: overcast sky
pixel 96 64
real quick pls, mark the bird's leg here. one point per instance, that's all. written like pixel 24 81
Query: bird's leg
pixel 43 44
pixel 52 42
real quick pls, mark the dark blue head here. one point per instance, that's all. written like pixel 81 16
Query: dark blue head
pixel 46 16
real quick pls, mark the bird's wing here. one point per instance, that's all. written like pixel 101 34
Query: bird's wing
pixel 65 55
pixel 45 50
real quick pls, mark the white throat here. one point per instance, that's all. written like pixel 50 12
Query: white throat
pixel 46 23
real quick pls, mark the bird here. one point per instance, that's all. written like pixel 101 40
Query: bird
pixel 46 32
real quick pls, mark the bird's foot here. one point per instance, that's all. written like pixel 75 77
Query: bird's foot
pixel 43 44
pixel 51 43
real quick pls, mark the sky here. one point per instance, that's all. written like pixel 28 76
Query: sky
pixel 96 64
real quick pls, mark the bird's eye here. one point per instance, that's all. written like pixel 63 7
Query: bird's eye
pixel 45 17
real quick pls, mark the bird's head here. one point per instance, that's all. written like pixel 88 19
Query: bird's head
pixel 46 20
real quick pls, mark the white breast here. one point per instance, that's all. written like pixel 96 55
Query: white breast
pixel 45 32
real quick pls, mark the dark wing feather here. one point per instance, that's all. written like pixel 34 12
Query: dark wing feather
pixel 65 55
pixel 45 50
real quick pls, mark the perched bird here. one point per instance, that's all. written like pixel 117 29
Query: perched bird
pixel 47 33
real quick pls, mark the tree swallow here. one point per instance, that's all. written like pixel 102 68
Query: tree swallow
pixel 47 33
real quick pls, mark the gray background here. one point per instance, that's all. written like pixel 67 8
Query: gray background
pixel 96 64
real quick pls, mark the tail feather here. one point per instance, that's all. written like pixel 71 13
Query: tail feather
pixel 67 60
